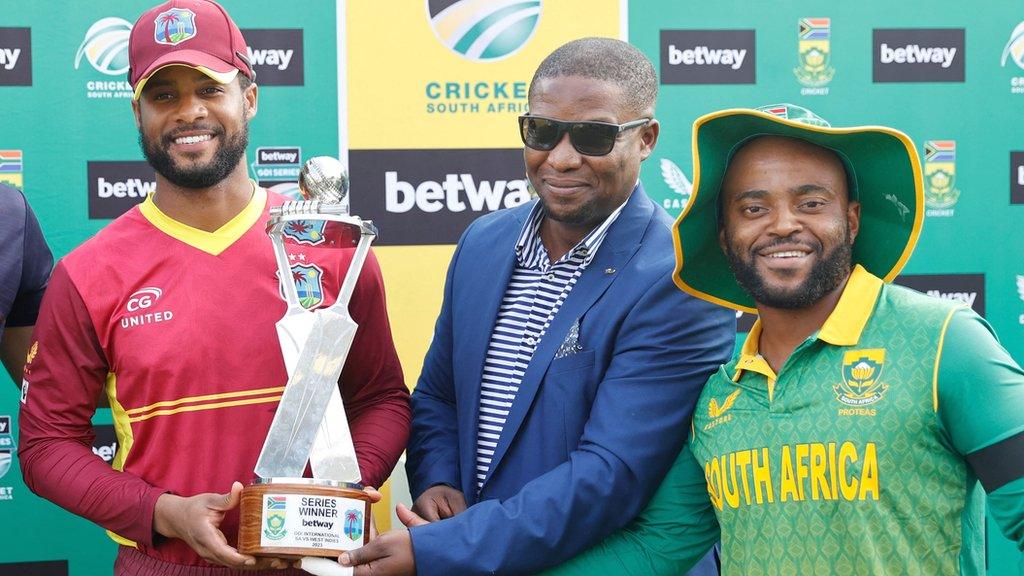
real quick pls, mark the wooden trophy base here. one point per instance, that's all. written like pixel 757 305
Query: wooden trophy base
pixel 296 517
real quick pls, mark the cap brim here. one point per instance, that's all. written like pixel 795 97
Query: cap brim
pixel 888 176
pixel 212 66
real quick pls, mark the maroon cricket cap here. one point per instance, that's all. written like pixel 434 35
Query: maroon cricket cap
pixel 194 33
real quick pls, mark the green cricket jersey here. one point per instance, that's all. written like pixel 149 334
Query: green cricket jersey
pixel 862 456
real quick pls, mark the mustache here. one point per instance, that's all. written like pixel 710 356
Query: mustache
pixel 168 138
pixel 787 241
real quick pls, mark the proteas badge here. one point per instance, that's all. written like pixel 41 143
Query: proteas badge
pixel 273 517
pixel 862 372
pixel 814 52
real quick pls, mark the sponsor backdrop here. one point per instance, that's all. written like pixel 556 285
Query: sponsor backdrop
pixel 68 137
pixel 427 94
pixel 949 75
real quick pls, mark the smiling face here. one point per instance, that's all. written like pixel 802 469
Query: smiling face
pixel 578 192
pixel 787 224
pixel 192 129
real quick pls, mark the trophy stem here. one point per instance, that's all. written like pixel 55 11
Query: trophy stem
pixel 354 270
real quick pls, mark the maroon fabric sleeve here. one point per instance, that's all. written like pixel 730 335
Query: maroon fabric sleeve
pixel 65 380
pixel 374 391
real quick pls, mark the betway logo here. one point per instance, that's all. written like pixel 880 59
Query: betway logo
pixel 270 57
pixel 453 193
pixel 704 56
pixel 9 57
pixel 915 54
pixel 130 188
pixel 962 297
pixel 278 156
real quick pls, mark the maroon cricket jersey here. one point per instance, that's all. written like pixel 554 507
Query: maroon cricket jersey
pixel 176 327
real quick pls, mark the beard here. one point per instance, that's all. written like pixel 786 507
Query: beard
pixel 585 214
pixel 826 275
pixel 192 174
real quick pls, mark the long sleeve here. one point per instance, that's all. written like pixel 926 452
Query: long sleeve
pixel 667 345
pixel 675 530
pixel 376 398
pixel 980 399
pixel 65 380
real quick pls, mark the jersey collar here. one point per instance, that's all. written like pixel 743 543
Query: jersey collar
pixel 843 326
pixel 210 242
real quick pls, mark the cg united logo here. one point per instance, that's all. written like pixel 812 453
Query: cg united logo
pixel 940 177
pixel 814 52
pixel 1014 52
pixel 138 308
pixel 105 47
pixel 677 181
pixel 862 372
pixel 484 30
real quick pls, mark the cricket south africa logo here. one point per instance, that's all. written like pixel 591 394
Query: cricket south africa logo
pixel 354 524
pixel 862 373
pixel 174 26
pixel 274 508
pixel 940 177
pixel 814 53
pixel 1014 52
pixel 105 46
pixel 484 30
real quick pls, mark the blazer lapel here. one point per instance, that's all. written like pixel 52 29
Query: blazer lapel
pixel 623 240
pixel 492 268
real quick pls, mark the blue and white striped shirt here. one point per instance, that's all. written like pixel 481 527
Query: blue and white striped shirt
pixel 534 295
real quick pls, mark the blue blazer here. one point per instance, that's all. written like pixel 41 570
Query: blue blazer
pixel 590 435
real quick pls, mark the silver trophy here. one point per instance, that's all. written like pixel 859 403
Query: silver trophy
pixel 310 422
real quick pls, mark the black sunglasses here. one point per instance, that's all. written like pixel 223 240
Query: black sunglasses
pixel 588 138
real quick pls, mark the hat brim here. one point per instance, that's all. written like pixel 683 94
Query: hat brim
pixel 890 191
pixel 221 71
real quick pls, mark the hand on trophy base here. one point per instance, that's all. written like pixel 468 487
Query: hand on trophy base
pixel 196 520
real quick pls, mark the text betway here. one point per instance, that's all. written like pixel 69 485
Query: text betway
pixel 967 298
pixel 704 56
pixel 9 57
pixel 270 57
pixel 453 194
pixel 914 54
pixel 131 188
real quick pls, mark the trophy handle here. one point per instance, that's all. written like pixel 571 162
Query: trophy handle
pixel 291 294
pixel 355 268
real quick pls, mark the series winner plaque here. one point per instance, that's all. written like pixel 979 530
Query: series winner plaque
pixel 282 514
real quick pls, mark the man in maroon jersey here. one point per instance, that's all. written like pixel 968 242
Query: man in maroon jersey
pixel 169 311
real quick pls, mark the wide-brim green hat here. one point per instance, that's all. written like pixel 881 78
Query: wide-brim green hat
pixel 883 172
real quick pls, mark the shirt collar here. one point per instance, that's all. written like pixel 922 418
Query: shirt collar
pixel 529 243
pixel 843 326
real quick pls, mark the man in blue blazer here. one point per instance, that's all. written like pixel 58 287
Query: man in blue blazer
pixel 565 364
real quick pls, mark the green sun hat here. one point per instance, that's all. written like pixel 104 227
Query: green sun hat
pixel 883 173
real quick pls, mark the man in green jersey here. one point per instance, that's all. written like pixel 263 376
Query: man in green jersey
pixel 855 430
